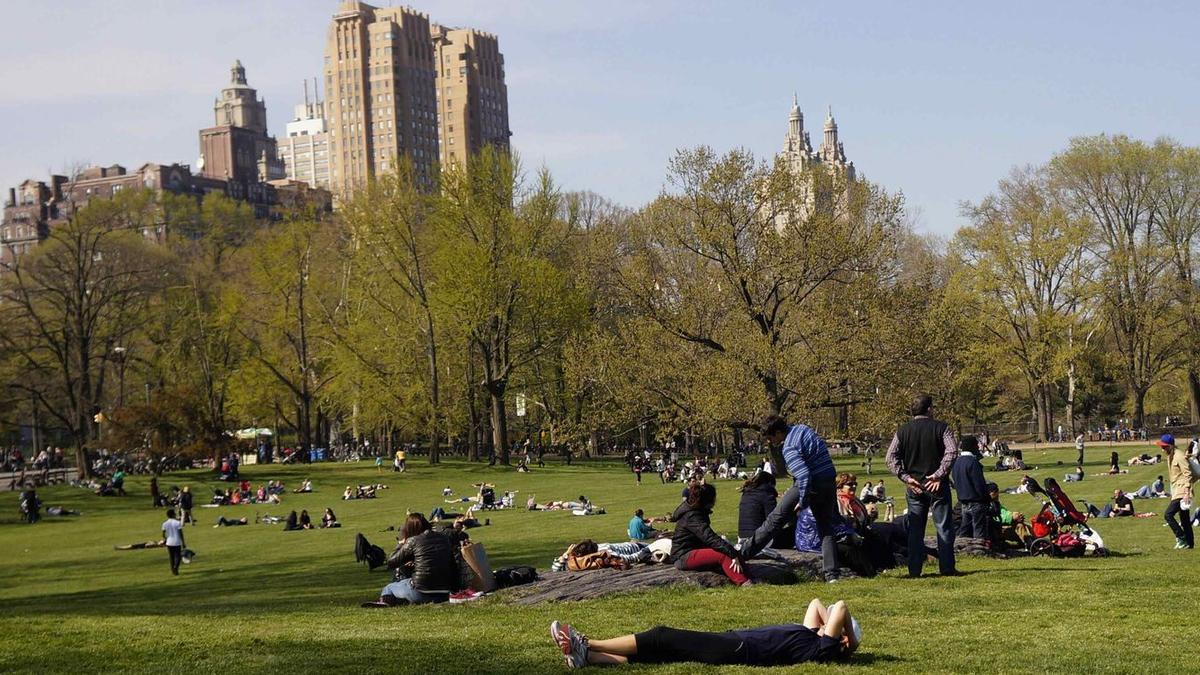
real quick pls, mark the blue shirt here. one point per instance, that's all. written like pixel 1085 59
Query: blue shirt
pixel 787 645
pixel 638 529
pixel 806 457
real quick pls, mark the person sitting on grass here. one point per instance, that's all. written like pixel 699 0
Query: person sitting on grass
pixel 292 523
pixel 1115 463
pixel 305 486
pixel 329 520
pixel 827 634
pixel 1007 528
pixel 305 520
pixel 1074 477
pixel 424 564
pixel 1155 489
pixel 695 546
pixel 640 528
pixel 1121 507
pixel 222 521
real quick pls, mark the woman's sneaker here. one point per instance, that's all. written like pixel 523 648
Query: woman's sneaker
pixel 1180 543
pixel 465 596
pixel 571 642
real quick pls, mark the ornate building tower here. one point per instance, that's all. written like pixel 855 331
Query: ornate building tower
pixel 237 148
pixel 802 160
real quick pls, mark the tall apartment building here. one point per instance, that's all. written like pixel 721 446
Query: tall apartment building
pixel 472 96
pixel 380 93
pixel 305 149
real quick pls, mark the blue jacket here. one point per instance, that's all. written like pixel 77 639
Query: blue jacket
pixel 967 476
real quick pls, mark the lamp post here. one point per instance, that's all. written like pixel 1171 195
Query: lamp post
pixel 119 353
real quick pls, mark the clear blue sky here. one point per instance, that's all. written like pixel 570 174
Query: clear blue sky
pixel 937 99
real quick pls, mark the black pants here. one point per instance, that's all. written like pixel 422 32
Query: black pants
pixel 1182 528
pixel 975 520
pixel 175 553
pixel 822 501
pixel 663 644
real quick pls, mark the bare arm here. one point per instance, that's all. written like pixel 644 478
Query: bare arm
pixel 816 616
pixel 838 621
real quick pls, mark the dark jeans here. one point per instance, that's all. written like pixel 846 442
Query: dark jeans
pixel 943 522
pixel 175 553
pixel 822 501
pixel 662 644
pixel 1182 528
pixel 974 520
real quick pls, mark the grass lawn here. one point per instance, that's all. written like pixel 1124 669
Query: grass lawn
pixel 259 599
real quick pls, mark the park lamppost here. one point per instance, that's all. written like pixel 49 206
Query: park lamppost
pixel 119 353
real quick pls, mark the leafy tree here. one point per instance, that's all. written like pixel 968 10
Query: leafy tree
pixel 65 305
pixel 1025 269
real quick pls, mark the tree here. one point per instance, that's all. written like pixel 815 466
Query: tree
pixel 772 287
pixel 1024 267
pixel 66 304
pixel 1117 185
pixel 498 240
pixel 1180 225
pixel 278 301
pixel 390 277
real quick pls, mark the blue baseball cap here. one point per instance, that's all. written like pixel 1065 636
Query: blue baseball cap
pixel 1167 439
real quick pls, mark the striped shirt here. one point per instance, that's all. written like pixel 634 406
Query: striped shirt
pixel 806 457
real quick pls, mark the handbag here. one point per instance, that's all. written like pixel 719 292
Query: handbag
pixel 476 558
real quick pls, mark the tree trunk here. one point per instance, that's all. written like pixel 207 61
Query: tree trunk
pixel 1039 413
pixel 1193 378
pixel 499 422
pixel 1139 408
pixel 434 393
pixel 472 413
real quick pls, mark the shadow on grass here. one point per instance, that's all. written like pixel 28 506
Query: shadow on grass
pixel 873 659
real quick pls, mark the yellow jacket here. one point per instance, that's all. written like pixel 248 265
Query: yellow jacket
pixel 1180 474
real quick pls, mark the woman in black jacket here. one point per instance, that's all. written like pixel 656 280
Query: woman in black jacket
pixel 758 501
pixel 695 546
pixel 425 561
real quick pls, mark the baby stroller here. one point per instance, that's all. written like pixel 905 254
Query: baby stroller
pixel 1060 529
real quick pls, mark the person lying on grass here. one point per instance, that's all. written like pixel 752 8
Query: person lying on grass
pixel 827 634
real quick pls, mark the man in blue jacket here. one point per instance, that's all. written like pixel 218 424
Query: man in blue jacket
pixel 967 476
pixel 807 459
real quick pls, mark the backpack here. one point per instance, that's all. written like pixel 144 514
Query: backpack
pixel 365 551
pixel 515 576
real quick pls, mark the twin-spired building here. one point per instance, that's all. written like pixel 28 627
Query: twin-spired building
pixel 398 86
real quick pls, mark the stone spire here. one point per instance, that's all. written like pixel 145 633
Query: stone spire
pixel 796 119
pixel 829 148
pixel 237 74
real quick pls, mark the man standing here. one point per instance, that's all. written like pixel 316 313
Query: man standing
pixel 172 531
pixel 1079 450
pixel 803 452
pixel 967 476
pixel 185 505
pixel 920 455
pixel 1180 472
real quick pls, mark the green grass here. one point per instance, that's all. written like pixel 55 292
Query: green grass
pixel 258 598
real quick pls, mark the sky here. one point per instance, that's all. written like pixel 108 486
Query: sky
pixel 938 100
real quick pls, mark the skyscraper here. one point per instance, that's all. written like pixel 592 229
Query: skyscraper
pixel 472 96
pixel 380 93
pixel 237 148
